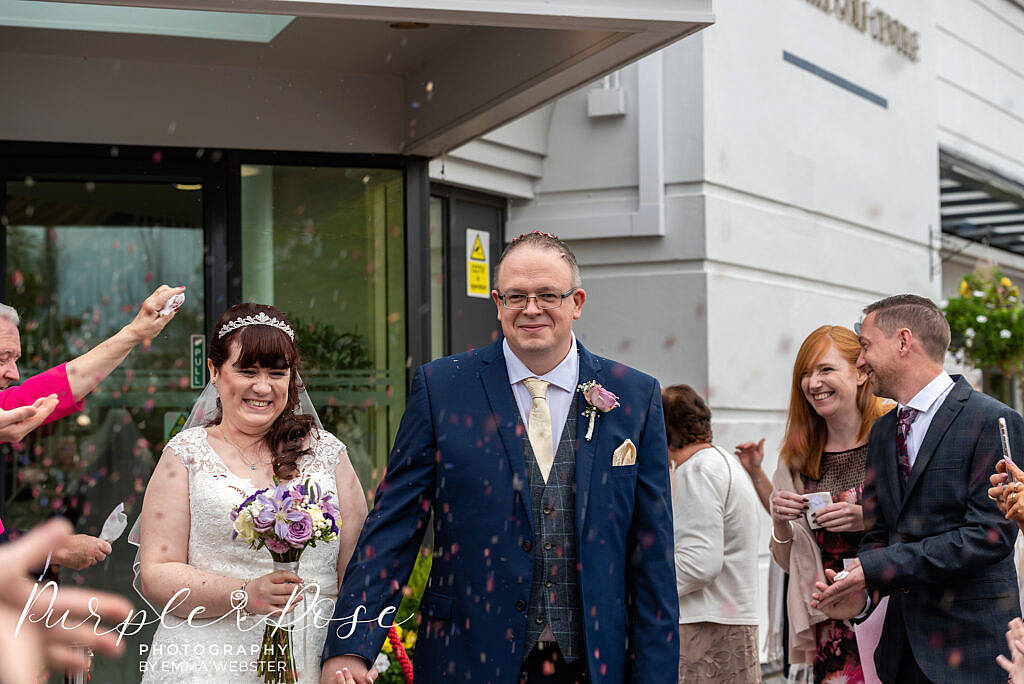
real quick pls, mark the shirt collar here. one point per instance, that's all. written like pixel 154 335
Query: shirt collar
pixel 563 375
pixel 924 399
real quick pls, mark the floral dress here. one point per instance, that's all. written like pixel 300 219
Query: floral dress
pixel 842 475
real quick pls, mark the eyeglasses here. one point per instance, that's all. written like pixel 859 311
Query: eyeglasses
pixel 546 300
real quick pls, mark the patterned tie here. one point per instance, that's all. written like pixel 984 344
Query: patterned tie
pixel 539 427
pixel 904 418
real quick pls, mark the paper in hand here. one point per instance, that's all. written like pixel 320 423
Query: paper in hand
pixel 115 524
pixel 173 304
pixel 815 501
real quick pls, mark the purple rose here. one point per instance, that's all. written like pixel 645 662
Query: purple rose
pixel 276 545
pixel 601 399
pixel 299 531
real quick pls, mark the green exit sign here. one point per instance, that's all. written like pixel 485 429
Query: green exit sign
pixel 198 375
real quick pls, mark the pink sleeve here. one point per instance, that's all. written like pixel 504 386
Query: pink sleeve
pixel 53 381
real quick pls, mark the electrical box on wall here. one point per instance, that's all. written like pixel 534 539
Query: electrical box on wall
pixel 606 102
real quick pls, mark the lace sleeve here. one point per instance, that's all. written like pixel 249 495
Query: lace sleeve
pixel 191 447
pixel 327 451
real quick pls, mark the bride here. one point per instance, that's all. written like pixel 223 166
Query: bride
pixel 250 436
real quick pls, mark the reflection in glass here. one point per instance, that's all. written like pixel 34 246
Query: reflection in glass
pixel 81 258
pixel 326 245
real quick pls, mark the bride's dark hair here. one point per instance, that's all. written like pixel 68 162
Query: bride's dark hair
pixel 267 347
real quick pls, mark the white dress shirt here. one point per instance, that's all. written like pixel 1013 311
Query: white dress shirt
pixel 563 379
pixel 927 401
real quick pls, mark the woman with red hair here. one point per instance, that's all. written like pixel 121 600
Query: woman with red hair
pixel 831 411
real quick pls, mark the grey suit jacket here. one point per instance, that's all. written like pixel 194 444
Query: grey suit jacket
pixel 940 549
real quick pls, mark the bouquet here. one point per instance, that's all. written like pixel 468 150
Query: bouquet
pixel 286 520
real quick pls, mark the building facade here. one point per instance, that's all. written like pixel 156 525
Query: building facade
pixel 273 151
pixel 777 172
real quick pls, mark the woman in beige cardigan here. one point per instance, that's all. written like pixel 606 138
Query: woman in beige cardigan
pixel 831 411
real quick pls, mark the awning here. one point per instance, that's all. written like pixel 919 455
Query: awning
pixel 980 205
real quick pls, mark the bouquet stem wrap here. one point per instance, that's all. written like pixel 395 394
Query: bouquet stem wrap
pixel 282 651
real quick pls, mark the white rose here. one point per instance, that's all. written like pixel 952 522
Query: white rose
pixel 969 333
pixel 1005 334
pixel 981 318
pixel 382 663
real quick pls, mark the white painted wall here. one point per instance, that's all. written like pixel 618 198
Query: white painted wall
pixel 789 201
pixel 980 77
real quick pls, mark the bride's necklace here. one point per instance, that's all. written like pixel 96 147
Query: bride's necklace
pixel 241 454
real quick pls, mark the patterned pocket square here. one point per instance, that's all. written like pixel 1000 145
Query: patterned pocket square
pixel 625 455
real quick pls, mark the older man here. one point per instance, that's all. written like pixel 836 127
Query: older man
pixel 553 547
pixel 70 383
pixel 934 542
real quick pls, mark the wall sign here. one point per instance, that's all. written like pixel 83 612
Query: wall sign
pixel 197 378
pixel 478 263
pixel 882 26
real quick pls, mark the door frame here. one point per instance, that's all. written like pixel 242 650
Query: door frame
pixel 449 194
pixel 219 171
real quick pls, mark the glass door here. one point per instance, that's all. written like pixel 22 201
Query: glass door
pixel 327 246
pixel 80 258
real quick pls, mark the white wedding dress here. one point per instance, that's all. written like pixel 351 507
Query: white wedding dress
pixel 223 650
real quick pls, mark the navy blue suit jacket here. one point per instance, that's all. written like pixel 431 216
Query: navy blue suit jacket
pixel 941 550
pixel 458 455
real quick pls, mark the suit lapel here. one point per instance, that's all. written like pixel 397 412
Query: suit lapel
pixel 940 424
pixel 494 376
pixel 590 369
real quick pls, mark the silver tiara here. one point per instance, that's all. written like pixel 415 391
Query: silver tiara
pixel 259 319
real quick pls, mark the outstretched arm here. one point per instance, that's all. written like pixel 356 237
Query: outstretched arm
pixel 88 370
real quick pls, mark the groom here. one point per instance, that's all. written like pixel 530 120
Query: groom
pixel 552 546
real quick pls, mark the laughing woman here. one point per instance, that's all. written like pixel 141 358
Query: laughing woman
pixel 251 431
pixel 831 410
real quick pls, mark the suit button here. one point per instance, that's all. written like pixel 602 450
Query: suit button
pixel 547 510
pixel 520 606
pixel 547 583
pixel 540 620
pixel 547 546
pixel 905 590
pixel 527 545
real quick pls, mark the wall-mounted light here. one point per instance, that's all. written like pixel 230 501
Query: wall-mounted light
pixel 408 25
pixel 188 186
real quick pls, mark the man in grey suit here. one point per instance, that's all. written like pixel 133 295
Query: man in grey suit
pixel 934 542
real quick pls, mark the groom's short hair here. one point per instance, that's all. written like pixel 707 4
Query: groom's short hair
pixel 540 240
pixel 920 315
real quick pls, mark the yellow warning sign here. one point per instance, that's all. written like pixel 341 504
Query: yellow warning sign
pixel 478 251
pixel 478 266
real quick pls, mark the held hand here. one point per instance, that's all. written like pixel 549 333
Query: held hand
pixel 841 517
pixel 148 322
pixel 787 506
pixel 17 423
pixel 271 592
pixel 844 599
pixel 1015 640
pixel 347 669
pixel 751 454
pixel 81 551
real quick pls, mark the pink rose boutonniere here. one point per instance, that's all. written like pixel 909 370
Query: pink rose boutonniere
pixel 598 399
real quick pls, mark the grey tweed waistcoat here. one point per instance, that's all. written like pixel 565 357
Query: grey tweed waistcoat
pixel 555 592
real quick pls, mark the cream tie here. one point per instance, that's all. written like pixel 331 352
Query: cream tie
pixel 539 429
